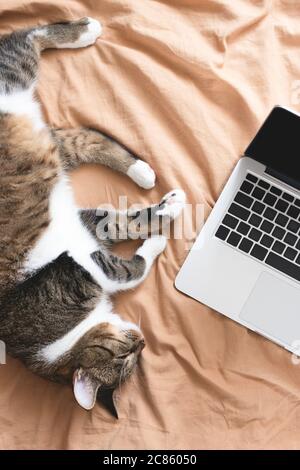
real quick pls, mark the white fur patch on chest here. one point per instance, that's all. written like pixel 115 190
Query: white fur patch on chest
pixel 22 103
pixel 65 232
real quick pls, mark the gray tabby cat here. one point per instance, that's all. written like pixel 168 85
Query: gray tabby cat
pixel 56 272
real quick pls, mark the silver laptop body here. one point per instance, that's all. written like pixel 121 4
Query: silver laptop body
pixel 245 262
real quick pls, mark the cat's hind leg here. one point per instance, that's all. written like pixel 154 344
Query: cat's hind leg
pixel 19 59
pixel 67 35
pixel 20 50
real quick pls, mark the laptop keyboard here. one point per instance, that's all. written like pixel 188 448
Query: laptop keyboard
pixel 264 222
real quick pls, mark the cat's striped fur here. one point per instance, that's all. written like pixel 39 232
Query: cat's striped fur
pixel 56 272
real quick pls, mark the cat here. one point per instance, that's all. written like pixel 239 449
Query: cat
pixel 56 270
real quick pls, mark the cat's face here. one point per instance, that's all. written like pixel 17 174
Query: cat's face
pixel 105 357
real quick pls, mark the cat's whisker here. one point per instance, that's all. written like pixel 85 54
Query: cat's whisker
pixel 140 373
pixel 121 375
pixel 136 379
pixel 132 379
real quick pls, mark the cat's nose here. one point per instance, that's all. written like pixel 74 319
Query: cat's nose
pixel 138 346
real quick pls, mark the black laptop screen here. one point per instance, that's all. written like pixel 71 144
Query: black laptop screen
pixel 277 143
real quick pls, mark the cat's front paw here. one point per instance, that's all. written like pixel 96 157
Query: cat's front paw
pixel 172 204
pixel 152 247
pixel 142 174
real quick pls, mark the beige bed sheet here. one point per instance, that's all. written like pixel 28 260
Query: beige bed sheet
pixel 184 84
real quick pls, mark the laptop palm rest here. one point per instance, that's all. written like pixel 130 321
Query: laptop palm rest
pixel 273 308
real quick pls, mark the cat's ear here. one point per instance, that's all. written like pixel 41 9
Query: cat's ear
pixel 85 389
pixel 106 397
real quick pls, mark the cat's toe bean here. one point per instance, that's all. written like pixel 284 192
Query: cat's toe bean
pixel 142 174
pixel 172 203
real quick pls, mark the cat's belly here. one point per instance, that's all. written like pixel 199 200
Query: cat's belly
pixel 22 103
pixel 65 233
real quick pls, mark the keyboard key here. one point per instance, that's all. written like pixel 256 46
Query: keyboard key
pixel 245 245
pixel 267 226
pixel 270 214
pixel 275 190
pixel 243 200
pixel 298 259
pixel 234 239
pixel 288 197
pixel 281 205
pixel 269 199
pixel 297 202
pixel 243 228
pixel 293 226
pixel 258 193
pixel 259 252
pixel 290 239
pixel 246 187
pixel 230 221
pixel 255 234
pixel 283 265
pixel 222 232
pixel 281 220
pixel 263 184
pixel 251 178
pixel 258 207
pixel 239 212
pixel 278 233
pixel 298 245
pixel 278 247
pixel 255 220
pixel 267 241
pixel 290 253
pixel 293 212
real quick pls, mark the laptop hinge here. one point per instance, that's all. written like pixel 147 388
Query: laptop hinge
pixel 285 179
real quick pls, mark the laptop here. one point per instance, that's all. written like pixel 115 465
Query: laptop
pixel 245 263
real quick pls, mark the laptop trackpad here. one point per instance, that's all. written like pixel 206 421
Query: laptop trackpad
pixel 273 308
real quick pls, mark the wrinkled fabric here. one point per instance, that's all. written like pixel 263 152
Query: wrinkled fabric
pixel 184 84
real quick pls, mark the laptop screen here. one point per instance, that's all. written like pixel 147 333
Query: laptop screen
pixel 277 143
